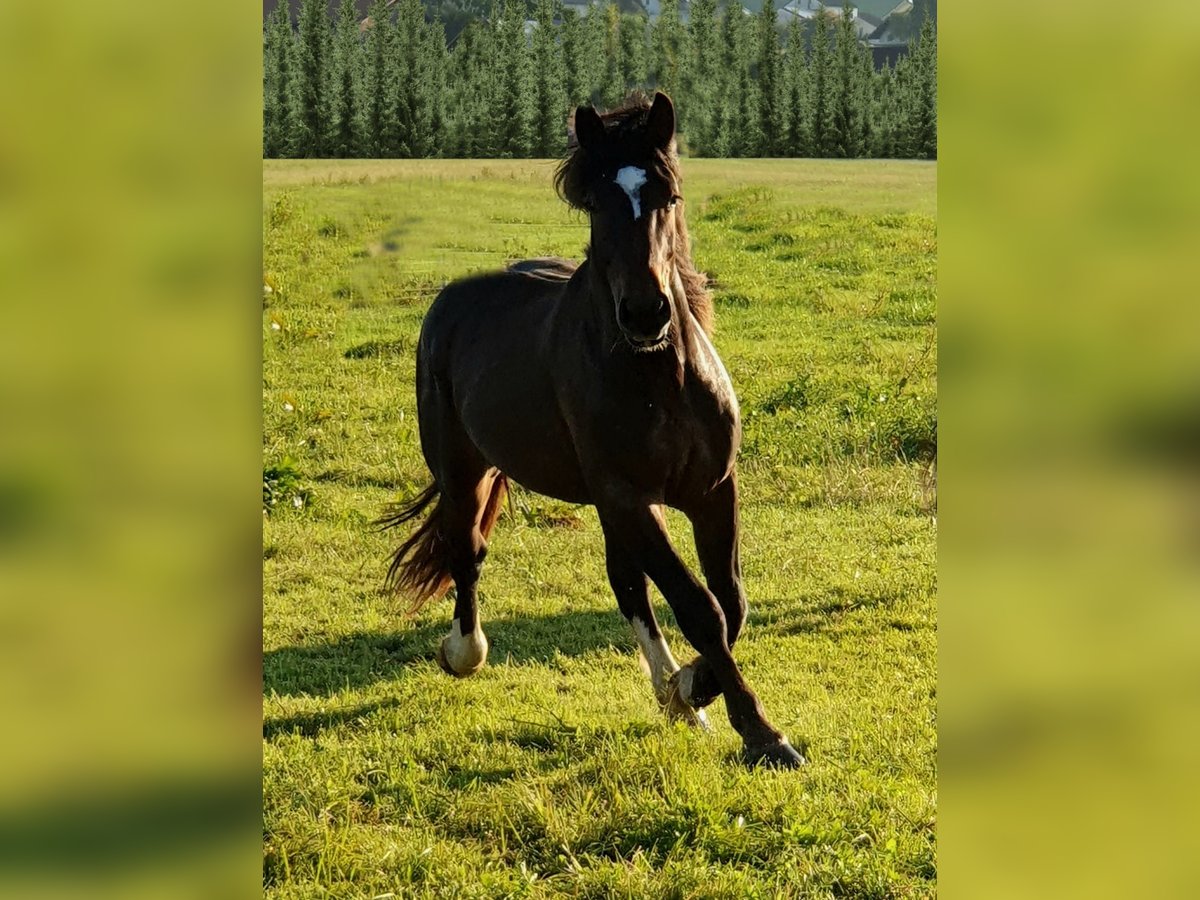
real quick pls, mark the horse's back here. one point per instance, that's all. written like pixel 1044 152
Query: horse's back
pixel 512 302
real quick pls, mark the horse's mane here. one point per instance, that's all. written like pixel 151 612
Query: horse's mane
pixel 579 170
pixel 545 268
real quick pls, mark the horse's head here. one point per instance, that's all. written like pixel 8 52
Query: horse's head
pixel 625 175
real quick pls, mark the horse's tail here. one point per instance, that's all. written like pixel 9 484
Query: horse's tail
pixel 420 567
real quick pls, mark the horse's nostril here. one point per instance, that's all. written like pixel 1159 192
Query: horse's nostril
pixel 644 316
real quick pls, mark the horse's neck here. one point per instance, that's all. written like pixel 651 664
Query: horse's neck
pixel 598 303
pixel 689 332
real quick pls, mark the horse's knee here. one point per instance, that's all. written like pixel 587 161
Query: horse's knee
pixel 702 622
pixel 462 654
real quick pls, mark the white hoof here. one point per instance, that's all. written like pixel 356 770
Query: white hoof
pixel 676 706
pixel 462 654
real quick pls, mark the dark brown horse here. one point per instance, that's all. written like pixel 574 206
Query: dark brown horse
pixel 594 384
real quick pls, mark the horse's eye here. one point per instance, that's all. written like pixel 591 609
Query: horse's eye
pixel 671 203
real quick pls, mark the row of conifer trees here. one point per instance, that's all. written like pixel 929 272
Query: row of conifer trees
pixel 391 87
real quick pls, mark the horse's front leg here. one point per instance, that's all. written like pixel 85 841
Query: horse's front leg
pixel 715 527
pixel 631 588
pixel 702 622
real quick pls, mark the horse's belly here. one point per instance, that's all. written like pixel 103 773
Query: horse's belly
pixel 524 439
pixel 557 484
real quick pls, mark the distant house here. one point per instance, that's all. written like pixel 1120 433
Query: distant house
pixel 875 10
pixel 810 9
pixel 580 7
pixel 652 8
pixel 895 24
pixel 889 42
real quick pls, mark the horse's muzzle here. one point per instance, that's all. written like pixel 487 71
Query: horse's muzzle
pixel 644 322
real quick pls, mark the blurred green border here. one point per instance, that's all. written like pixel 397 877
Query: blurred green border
pixel 129 244
pixel 1069 406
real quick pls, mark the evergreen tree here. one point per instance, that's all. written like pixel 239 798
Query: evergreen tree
pixel 279 87
pixel 378 81
pixel 701 77
pixel 670 56
pixel 396 89
pixel 726 102
pixel 749 122
pixel 551 114
pixel 895 140
pixel 632 32
pixel 455 93
pixel 411 83
pixel 345 121
pixel 311 75
pixel 795 84
pixel 869 86
pixel 436 96
pixel 904 92
pixel 883 116
pixel 576 83
pixel 844 137
pixel 493 130
pixel 515 109
pixel 923 120
pixel 474 79
pixel 594 67
pixel 612 86
pixel 769 124
pixel 819 106
pixel 742 133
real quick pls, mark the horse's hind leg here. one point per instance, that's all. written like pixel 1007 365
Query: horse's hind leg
pixel 468 514
pixel 631 587
pixel 472 493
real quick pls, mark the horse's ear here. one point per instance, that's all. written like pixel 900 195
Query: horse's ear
pixel 589 130
pixel 660 121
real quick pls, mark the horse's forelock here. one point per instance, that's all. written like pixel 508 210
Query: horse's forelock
pixel 579 170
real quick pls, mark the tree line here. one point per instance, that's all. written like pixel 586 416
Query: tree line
pixel 391 86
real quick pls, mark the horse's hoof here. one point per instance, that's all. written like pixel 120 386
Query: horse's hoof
pixel 461 654
pixel 779 755
pixel 695 684
pixel 449 670
pixel 678 710
pixel 441 658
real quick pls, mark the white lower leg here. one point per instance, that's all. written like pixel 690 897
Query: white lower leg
pixel 659 662
pixel 465 653
pixel 660 665
pixel 684 683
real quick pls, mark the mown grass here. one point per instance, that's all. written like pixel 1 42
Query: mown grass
pixel 551 772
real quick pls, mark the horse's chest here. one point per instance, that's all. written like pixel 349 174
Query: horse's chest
pixel 678 438
pixel 708 439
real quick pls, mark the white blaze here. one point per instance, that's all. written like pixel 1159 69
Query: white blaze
pixel 631 179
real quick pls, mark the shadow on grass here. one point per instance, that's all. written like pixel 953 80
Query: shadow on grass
pixel 312 724
pixel 364 658
pixel 830 611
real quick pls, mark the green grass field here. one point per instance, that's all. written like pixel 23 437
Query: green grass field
pixel 552 772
